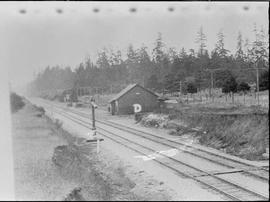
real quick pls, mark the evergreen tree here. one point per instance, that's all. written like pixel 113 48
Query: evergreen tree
pixel 220 48
pixel 191 87
pixel 158 52
pixel 239 52
pixel 145 66
pixel 132 64
pixel 158 56
pixel 201 41
pixel 229 84
pixel 103 60
pixel 259 47
pixel 243 87
pixel 152 82
pixel 264 81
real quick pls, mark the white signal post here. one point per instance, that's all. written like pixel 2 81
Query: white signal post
pixel 94 138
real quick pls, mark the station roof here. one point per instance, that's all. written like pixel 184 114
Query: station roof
pixel 128 88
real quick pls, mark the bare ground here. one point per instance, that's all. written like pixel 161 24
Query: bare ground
pixel 50 165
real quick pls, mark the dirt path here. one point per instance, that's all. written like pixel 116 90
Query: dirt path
pixel 76 173
pixel 36 177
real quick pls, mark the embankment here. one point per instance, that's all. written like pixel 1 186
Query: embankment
pixel 241 132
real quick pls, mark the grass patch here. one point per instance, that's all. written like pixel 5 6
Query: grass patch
pixel 240 131
pixel 240 135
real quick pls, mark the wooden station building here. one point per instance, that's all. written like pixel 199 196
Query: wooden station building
pixel 123 102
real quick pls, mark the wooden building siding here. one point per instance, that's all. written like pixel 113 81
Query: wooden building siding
pixel 136 95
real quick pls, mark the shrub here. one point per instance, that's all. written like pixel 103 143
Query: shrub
pixel 41 109
pixel 16 102
pixel 58 123
pixel 229 85
pixel 191 88
pixel 155 120
pixel 243 87
pixel 264 81
pixel 138 117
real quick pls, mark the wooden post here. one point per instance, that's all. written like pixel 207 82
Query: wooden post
pixel 212 83
pixel 180 90
pixel 93 118
pixel 97 146
pixel 258 88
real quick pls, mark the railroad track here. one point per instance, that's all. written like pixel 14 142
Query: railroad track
pixel 215 158
pixel 246 169
pixel 230 189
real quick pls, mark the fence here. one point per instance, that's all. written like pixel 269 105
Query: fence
pixel 222 99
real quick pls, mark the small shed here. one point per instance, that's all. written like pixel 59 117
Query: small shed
pixel 123 102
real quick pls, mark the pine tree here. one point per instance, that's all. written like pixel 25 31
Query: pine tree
pixel 132 64
pixel 201 41
pixel 220 49
pixel 159 57
pixel 239 50
pixel 172 54
pixel 158 52
pixel 131 55
pixel 259 47
pixel 183 53
pixel 247 50
pixel 144 64
pixel 103 60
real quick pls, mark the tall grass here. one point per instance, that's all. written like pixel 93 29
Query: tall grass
pixel 244 135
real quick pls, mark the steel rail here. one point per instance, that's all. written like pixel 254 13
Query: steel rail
pixel 216 161
pixel 131 130
pixel 79 121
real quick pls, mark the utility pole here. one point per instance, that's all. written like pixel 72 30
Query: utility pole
pixel 257 74
pixel 212 84
pixel 180 88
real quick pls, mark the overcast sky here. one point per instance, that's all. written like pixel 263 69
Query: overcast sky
pixel 37 34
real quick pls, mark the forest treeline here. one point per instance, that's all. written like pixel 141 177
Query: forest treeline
pixel 162 68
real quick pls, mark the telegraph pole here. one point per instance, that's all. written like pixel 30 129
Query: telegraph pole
pixel 212 84
pixel 180 88
pixel 257 74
